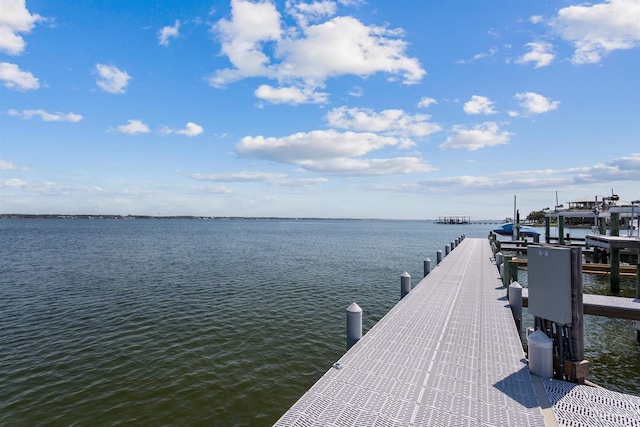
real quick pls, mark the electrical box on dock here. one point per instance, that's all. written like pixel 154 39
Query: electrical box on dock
pixel 549 282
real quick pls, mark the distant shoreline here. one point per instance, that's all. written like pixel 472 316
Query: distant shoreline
pixel 220 218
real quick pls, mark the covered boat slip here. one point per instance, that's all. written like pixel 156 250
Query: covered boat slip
pixel 447 354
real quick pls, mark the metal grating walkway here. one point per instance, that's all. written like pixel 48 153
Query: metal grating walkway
pixel 446 354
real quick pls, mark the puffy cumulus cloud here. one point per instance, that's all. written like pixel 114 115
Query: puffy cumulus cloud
pixel 534 103
pixel 333 152
pixel 167 33
pixel 243 36
pixel 14 78
pixel 426 102
pixel 315 145
pixel 291 95
pixel 191 129
pixel 15 19
pixel 111 79
pixel 47 117
pixel 597 29
pixel 133 127
pixel 306 56
pixel 388 122
pixel 345 45
pixel 541 54
pixel 487 134
pixel 479 105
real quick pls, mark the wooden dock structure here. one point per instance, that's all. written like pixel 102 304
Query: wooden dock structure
pixel 448 354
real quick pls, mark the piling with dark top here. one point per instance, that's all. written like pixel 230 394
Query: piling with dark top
pixel 354 324
pixel 561 229
pixel 405 284
pixel 515 301
pixel 615 254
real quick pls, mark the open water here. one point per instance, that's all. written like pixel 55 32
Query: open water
pixel 186 322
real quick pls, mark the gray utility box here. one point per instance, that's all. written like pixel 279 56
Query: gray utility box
pixel 549 278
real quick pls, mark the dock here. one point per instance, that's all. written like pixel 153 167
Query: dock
pixel 449 354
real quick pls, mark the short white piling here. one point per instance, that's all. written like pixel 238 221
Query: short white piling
pixel 427 267
pixel 499 260
pixel 515 301
pixel 354 324
pixel 438 257
pixel 447 249
pixel 405 284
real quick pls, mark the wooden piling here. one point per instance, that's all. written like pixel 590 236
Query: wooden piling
pixel 615 255
pixel 579 367
pixel 561 229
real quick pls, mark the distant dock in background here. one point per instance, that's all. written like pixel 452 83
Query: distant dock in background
pixel 464 219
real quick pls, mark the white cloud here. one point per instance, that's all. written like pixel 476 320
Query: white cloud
pixel 623 169
pixel 291 95
pixel 47 117
pixel 218 189
pixel 191 129
pixel 132 127
pixel 242 38
pixel 304 13
pixel 388 122
pixel 426 102
pixel 111 79
pixel 167 33
pixel 479 105
pixel 306 56
pixel 14 19
pixel 369 167
pixel 534 103
pixel 333 152
pixel 536 19
pixel 15 78
pixel 279 179
pixel 485 135
pixel 8 166
pixel 315 145
pixel 356 91
pixel 597 29
pixel 541 54
pixel 245 176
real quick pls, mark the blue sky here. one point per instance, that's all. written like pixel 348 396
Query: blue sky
pixel 329 109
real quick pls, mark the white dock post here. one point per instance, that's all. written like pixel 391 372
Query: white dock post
pixel 447 249
pixel 499 260
pixel 515 301
pixel 354 324
pixel 405 284
pixel 427 267
pixel 438 257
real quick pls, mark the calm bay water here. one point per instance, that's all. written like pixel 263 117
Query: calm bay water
pixel 162 322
